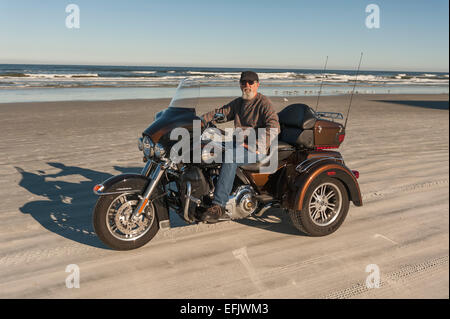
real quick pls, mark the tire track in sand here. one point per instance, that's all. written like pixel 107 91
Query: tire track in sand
pixel 409 188
pixel 406 272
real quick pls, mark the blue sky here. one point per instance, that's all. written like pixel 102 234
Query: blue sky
pixel 413 35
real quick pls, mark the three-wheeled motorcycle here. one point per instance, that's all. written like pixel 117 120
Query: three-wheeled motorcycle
pixel 311 181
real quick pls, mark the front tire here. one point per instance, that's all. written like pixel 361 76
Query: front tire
pixel 324 208
pixel 112 226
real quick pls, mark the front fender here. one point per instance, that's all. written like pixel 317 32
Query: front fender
pixel 123 183
pixel 332 169
pixel 129 184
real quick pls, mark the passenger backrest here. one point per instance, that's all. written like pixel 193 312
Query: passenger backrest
pixel 297 125
pixel 298 116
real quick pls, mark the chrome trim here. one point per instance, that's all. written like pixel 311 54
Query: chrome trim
pixel 116 218
pixel 118 192
pixel 148 147
pixel 331 115
pixel 165 224
pixel 188 199
pixel 264 209
pixel 236 205
pixel 319 206
pixel 156 176
pixel 314 160
pixel 195 200
pixel 159 150
pixel 146 170
pixel 100 192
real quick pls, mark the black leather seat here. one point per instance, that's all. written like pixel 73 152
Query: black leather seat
pixel 297 125
pixel 283 150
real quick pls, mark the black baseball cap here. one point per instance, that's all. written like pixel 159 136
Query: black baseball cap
pixel 249 76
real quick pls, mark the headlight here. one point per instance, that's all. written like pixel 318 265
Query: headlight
pixel 140 144
pixel 147 146
pixel 159 150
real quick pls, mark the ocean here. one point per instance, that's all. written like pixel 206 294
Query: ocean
pixel 34 83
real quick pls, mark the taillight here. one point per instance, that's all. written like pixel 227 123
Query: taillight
pixel 331 173
pixel 356 173
pixel 325 147
pixel 341 138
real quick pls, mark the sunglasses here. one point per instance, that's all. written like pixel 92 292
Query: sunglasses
pixel 244 82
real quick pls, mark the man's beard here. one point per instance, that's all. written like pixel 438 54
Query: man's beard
pixel 248 94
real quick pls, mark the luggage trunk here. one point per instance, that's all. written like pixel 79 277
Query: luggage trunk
pixel 328 134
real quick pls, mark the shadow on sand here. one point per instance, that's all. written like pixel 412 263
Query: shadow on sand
pixel 437 105
pixel 274 219
pixel 67 211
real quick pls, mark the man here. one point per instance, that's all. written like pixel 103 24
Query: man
pixel 253 110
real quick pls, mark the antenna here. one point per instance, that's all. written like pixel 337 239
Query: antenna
pixel 321 83
pixel 353 91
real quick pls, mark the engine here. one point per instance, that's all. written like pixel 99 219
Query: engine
pixel 242 202
pixel 193 189
pixel 197 189
pixel 199 186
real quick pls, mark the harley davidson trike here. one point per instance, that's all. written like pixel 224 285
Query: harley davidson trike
pixel 310 182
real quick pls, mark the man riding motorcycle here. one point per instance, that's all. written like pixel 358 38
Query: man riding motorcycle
pixel 253 110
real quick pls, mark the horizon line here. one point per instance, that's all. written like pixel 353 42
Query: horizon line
pixel 227 67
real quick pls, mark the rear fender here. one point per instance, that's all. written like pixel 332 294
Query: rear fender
pixel 331 169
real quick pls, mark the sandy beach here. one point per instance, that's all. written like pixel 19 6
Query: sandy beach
pixel 53 153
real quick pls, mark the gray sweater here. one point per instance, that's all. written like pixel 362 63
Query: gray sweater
pixel 256 113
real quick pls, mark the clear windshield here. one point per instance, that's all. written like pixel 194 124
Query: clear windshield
pixel 187 94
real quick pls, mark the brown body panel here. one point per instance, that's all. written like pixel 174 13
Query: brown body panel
pixel 260 179
pixel 315 174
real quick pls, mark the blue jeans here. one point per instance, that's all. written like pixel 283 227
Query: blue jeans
pixel 228 173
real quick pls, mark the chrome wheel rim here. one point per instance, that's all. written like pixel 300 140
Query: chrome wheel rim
pixel 325 204
pixel 118 218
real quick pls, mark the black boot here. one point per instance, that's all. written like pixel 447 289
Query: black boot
pixel 213 214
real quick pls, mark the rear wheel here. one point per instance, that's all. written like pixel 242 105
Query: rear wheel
pixel 115 228
pixel 324 209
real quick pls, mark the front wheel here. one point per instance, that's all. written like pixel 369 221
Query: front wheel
pixel 113 225
pixel 324 209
